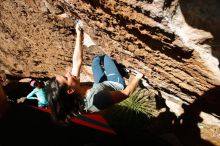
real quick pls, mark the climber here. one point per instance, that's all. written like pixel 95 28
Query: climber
pixel 38 93
pixel 67 97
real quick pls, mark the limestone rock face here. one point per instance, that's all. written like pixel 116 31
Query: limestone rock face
pixel 174 43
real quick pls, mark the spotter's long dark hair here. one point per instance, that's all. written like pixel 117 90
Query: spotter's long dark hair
pixel 62 105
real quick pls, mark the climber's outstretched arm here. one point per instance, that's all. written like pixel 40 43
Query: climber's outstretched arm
pixel 78 52
pixel 118 96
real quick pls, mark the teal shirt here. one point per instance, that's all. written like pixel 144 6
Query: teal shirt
pixel 40 96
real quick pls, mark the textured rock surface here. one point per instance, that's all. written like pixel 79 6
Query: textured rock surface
pixel 174 43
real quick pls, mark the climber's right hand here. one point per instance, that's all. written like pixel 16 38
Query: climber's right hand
pixel 79 26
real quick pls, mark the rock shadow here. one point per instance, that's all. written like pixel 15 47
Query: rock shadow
pixel 129 125
pixel 186 125
pixel 204 16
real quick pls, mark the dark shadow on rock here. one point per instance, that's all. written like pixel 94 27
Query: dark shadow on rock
pixel 204 16
pixel 163 124
pixel 187 126
pixel 130 125
pixel 210 101
pixel 160 102
pixel 167 4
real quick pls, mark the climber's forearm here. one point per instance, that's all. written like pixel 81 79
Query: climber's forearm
pixel 77 54
pixel 131 86
pixel 118 96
